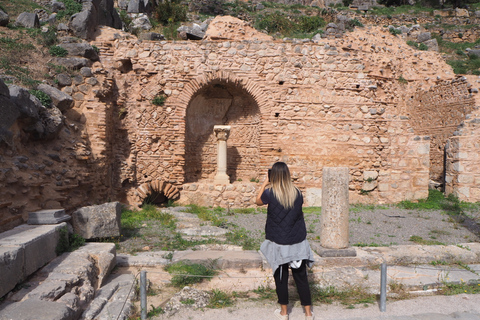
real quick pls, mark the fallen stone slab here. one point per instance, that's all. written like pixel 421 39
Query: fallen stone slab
pixel 37 309
pixel 12 260
pixel 48 216
pixel 29 246
pixel 68 284
pixel 100 221
pixel 114 300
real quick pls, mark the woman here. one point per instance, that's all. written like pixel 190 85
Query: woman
pixel 285 232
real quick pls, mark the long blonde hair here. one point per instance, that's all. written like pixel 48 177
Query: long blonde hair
pixel 283 189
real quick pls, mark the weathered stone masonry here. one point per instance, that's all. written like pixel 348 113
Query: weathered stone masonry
pixel 336 103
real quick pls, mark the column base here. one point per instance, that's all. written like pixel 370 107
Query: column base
pixel 221 179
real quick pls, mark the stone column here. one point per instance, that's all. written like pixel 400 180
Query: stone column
pixel 335 208
pixel 221 133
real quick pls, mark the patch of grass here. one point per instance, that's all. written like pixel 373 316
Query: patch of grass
pixel 451 289
pixel 372 244
pixel 207 215
pixel 420 240
pixel 15 7
pixel 155 311
pixel 185 274
pixel 133 219
pixel 241 237
pixel 358 207
pixel 315 210
pixel 349 296
pixel 265 293
pixel 245 211
pixel 434 201
pixel 471 65
pixel 438 263
pixel 68 242
pixel 57 51
pixel 71 7
pixel 220 299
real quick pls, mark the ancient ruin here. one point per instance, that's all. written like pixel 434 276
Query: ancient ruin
pixel 142 123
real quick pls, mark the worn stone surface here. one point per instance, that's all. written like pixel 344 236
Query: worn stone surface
pixel 12 259
pixel 37 309
pixel 335 208
pixel 48 216
pixel 100 221
pixel 38 244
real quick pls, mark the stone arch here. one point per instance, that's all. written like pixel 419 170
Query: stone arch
pixel 261 96
pixel 160 190
pixel 220 98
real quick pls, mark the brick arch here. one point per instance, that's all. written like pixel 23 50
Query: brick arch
pixel 261 96
pixel 168 189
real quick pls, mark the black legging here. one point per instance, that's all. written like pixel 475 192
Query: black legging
pixel 301 280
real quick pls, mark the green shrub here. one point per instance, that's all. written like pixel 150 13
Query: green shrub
pixel 68 242
pixel 412 44
pixel 423 47
pixel 58 51
pixel 71 7
pixel 351 24
pixel 43 97
pixel 159 100
pixel 274 22
pixel 170 11
pixel 309 24
pixel 394 31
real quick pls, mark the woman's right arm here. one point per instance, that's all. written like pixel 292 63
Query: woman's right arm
pixel 259 201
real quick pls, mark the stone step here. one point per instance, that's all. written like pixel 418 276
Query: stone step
pixel 25 249
pixel 65 287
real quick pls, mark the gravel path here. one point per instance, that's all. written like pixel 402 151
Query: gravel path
pixel 379 227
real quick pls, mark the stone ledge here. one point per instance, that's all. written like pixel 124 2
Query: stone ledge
pixel 25 249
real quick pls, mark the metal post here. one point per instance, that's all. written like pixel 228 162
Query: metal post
pixel 143 294
pixel 383 288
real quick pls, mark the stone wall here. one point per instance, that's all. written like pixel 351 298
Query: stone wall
pixel 462 157
pixel 437 112
pixel 337 102
pixel 334 103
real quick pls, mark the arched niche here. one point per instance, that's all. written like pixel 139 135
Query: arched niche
pixel 221 103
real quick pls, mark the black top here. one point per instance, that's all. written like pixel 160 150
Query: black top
pixel 284 226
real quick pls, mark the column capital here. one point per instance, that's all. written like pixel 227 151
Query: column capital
pixel 221 132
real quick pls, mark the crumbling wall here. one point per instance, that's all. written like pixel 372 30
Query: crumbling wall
pixel 335 103
pixel 437 112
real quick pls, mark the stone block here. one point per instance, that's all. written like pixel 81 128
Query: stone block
pixel 98 221
pixel 48 216
pixel 38 244
pixel 37 309
pixel 11 264
pixel 313 197
pixel 465 178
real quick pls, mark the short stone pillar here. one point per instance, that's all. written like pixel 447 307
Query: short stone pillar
pixel 221 133
pixel 335 208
